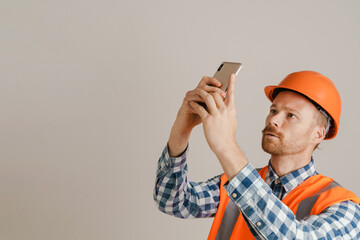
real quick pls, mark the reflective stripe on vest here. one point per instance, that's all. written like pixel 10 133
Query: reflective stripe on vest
pixel 232 224
pixel 229 220
pixel 306 205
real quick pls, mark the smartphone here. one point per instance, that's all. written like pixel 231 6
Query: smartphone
pixel 223 74
pixel 225 70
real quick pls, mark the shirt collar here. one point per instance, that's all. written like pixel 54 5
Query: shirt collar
pixel 293 179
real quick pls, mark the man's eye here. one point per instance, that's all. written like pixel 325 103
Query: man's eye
pixel 290 115
pixel 273 111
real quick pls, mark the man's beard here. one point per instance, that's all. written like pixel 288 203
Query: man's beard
pixel 272 145
pixel 277 145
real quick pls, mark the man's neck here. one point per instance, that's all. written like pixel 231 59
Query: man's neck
pixel 286 164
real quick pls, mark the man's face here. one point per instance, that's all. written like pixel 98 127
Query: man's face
pixel 289 125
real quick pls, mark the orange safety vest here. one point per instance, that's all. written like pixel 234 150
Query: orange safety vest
pixel 311 197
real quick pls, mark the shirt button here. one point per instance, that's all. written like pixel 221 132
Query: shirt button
pixel 234 195
pixel 258 224
pixel 167 164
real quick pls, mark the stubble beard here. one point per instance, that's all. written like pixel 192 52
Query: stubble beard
pixel 280 146
pixel 274 147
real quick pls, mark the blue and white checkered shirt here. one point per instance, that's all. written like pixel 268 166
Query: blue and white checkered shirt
pixel 258 200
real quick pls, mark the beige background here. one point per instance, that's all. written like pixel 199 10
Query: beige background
pixel 89 91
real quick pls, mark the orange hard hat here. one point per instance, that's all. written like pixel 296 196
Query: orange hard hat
pixel 316 87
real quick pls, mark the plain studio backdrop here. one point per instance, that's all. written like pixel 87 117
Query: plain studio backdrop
pixel 89 91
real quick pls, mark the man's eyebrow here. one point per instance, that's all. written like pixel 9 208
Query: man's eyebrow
pixel 287 109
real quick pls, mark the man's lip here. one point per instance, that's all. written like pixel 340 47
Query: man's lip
pixel 271 134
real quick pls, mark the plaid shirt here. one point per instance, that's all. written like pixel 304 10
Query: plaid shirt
pixel 258 200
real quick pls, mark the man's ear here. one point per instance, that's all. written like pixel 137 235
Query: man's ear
pixel 319 134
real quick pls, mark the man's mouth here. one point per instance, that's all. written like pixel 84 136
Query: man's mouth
pixel 271 134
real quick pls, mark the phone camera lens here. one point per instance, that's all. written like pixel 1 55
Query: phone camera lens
pixel 221 66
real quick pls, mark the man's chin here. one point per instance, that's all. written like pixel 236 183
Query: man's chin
pixel 269 146
pixel 267 150
pixel 273 151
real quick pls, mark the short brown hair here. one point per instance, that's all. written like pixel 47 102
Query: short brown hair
pixel 320 120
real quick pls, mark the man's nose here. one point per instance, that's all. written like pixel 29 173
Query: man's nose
pixel 275 120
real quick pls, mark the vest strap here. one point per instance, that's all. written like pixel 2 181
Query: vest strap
pixel 228 222
pixel 306 205
pixel 229 219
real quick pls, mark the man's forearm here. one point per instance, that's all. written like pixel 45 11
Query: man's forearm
pixel 232 160
pixel 178 141
pixel 176 196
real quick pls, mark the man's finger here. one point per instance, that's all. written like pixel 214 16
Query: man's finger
pixel 211 89
pixel 209 100
pixel 218 100
pixel 193 96
pixel 210 81
pixel 230 96
pixel 200 110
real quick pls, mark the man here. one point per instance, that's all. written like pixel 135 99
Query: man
pixel 288 199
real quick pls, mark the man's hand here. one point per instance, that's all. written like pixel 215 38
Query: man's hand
pixel 219 123
pixel 187 118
